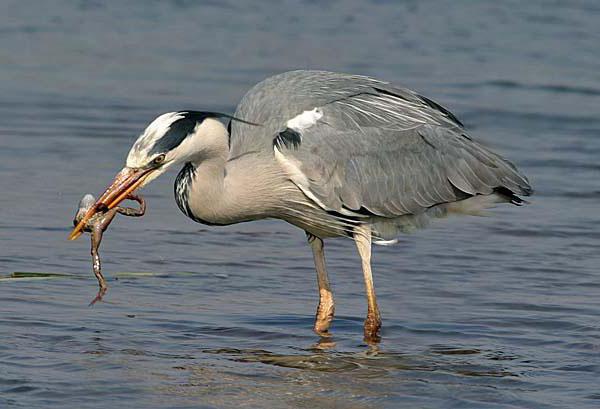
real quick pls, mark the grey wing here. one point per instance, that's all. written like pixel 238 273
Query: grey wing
pixel 389 173
pixel 277 99
pixel 359 146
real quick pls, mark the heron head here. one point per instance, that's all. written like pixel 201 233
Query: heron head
pixel 172 138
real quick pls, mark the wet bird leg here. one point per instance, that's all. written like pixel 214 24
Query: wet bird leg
pixel 362 237
pixel 326 307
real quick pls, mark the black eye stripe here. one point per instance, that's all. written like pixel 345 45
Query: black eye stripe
pixel 181 128
pixel 177 132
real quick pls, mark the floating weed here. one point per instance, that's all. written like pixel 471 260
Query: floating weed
pixel 28 275
pixel 42 275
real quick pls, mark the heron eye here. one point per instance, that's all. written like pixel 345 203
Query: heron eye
pixel 159 159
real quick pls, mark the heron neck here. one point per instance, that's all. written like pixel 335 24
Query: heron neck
pixel 223 191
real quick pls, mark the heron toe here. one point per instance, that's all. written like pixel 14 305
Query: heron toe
pixel 372 327
pixel 325 312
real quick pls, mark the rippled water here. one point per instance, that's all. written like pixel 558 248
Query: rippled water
pixel 478 312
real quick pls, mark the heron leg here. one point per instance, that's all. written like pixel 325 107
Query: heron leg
pixel 326 305
pixel 362 237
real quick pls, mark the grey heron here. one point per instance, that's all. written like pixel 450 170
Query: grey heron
pixel 333 154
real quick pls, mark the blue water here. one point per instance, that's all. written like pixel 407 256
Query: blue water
pixel 496 312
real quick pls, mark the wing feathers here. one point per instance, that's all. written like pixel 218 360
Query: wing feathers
pixel 375 148
pixel 394 173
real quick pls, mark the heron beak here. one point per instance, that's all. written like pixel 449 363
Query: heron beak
pixel 126 181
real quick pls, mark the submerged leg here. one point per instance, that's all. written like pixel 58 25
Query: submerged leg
pixel 362 237
pixel 326 306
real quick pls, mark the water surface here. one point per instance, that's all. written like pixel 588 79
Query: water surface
pixel 495 312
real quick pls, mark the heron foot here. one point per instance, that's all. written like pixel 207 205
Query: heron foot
pixel 325 312
pixel 372 327
pixel 325 343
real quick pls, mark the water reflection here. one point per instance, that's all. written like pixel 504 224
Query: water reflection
pixel 373 361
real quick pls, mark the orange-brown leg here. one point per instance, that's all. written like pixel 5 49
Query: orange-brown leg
pixel 326 307
pixel 362 237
